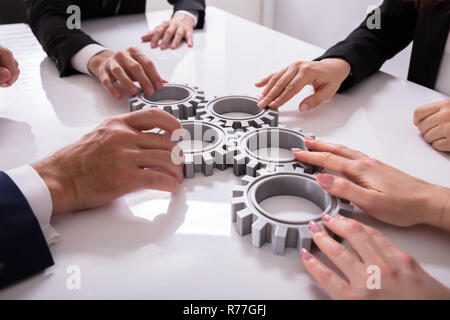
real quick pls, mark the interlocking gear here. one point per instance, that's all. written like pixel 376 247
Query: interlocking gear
pixel 217 110
pixel 248 216
pixel 249 158
pixel 179 100
pixel 217 154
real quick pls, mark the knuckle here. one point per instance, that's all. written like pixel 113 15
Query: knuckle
pixel 389 271
pixel 353 227
pixel 119 54
pixel 338 251
pixel 115 69
pixel 306 68
pixel 133 49
pixel 326 157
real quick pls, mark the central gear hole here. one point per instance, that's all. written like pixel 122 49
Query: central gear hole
pixel 237 107
pixel 291 199
pixel 169 94
pixel 198 137
pixel 275 145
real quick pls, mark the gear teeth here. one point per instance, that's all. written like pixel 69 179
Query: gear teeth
pixel 237 204
pixel 182 109
pixel 246 180
pixel 188 166
pixel 207 164
pixel 252 167
pixel 260 232
pixel 244 220
pixel 279 240
pixel 239 164
pixel 304 240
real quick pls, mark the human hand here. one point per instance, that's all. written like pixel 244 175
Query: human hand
pixel 125 67
pixel 382 191
pixel 433 122
pixel 401 277
pixel 9 68
pixel 114 159
pixel 179 28
pixel 326 76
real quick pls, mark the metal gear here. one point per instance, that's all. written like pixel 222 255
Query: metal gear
pixel 249 217
pixel 247 161
pixel 217 109
pixel 219 152
pixel 179 100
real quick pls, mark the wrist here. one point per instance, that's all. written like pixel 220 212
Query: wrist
pixel 437 212
pixel 58 183
pixel 96 61
pixel 341 67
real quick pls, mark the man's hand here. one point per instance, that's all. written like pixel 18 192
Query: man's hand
pixel 171 33
pixel 433 122
pixel 401 277
pixel 325 76
pixel 114 159
pixel 384 192
pixel 9 68
pixel 125 67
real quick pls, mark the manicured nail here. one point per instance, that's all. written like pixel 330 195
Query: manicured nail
pixel 325 181
pixel 326 217
pixel 261 103
pixel 314 227
pixel 272 104
pixel 304 107
pixel 339 216
pixel 306 255
pixel 296 150
pixel 159 86
pixel 134 91
pixel 309 138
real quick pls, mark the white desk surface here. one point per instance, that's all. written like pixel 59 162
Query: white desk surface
pixel 183 246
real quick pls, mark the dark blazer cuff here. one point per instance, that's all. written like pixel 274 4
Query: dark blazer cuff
pixel 23 248
pixel 350 80
pixel 190 5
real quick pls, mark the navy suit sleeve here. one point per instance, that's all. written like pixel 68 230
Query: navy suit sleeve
pixel 23 248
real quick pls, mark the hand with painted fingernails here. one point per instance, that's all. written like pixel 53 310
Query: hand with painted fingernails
pixel 382 191
pixel 118 157
pixel 9 68
pixel 326 76
pixel 125 67
pixel 433 122
pixel 376 269
pixel 172 33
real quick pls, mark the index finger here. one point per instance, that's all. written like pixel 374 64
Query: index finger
pixel 148 119
pixel 337 149
pixel 425 111
pixel 325 160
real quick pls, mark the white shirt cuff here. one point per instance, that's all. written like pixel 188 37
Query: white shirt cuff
pixel 80 60
pixel 192 14
pixel 38 196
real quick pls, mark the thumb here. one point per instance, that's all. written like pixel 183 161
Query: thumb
pixel 321 95
pixel 343 188
pixel 5 75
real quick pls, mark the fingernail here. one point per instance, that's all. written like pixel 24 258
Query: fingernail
pixel 261 103
pixel 339 216
pixel 134 91
pixel 304 107
pixel 296 150
pixel 325 181
pixel 272 104
pixel 314 227
pixel 326 217
pixel 309 138
pixel 306 255
pixel 159 86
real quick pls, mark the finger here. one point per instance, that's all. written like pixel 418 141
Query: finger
pixel 429 123
pixel 150 140
pixel 190 38
pixel 325 160
pixel 357 236
pixel 337 149
pixel 155 180
pixel 278 87
pixel 442 145
pixel 264 81
pixel 149 68
pixel 137 71
pixel 8 61
pixel 179 35
pixel 148 119
pixel 425 111
pixel 109 86
pixel 272 81
pixel 328 279
pixel 158 33
pixel 345 189
pixel 435 133
pixel 148 36
pixel 119 73
pixel 319 96
pixel 161 159
pixel 294 87
pixel 341 257
pixel 168 35
pixel 5 75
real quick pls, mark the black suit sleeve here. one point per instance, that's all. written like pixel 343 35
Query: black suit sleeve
pixel 367 49
pixel 23 248
pixel 191 5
